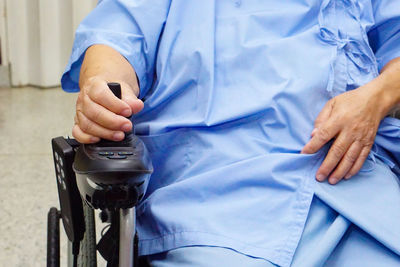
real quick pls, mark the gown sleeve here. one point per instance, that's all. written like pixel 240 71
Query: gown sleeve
pixel 132 27
pixel 384 36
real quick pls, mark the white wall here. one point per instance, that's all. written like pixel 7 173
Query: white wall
pixel 39 38
pixel 3 33
pixel 4 69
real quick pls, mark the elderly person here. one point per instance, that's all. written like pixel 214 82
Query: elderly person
pixel 265 120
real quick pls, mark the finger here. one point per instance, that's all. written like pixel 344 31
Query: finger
pixel 313 132
pixel 82 137
pixel 91 128
pixel 104 117
pixel 347 162
pixel 334 156
pixel 324 114
pixel 129 96
pixel 102 95
pixel 359 163
pixel 320 137
pixel 79 101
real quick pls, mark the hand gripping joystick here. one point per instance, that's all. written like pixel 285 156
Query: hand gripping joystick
pixel 114 176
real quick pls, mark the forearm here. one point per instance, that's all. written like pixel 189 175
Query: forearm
pixel 105 62
pixel 387 87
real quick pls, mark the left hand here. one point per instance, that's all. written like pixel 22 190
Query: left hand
pixel 352 120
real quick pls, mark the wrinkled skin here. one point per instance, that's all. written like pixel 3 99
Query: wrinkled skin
pixel 352 120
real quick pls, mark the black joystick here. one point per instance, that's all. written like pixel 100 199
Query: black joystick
pixel 113 175
pixel 116 89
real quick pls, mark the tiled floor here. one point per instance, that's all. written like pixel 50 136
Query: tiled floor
pixel 29 118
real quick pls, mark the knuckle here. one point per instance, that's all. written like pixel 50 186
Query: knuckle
pixel 368 144
pixel 351 157
pixel 323 135
pixel 86 102
pixel 364 153
pixel 368 140
pixel 353 134
pixel 81 94
pixel 97 94
pixel 79 102
pixel 87 126
pixel 76 135
pixel 338 151
pixel 84 123
pixel 97 114
pixel 74 132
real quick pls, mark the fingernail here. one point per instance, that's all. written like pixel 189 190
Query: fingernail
pixel 348 176
pixel 118 136
pixel 126 112
pixel 126 127
pixel 94 139
pixel 321 177
pixel 333 180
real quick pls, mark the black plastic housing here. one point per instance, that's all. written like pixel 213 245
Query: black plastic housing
pixel 108 181
pixel 70 201
pixel 107 170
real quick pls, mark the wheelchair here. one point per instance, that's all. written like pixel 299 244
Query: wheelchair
pixel 109 176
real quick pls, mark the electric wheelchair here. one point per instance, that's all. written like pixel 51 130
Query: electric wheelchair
pixel 109 176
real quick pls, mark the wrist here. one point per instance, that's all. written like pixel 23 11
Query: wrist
pixel 388 93
pixel 384 91
pixel 390 80
pixel 103 63
pixel 383 99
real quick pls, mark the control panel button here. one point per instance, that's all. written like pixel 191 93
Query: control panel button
pixel 106 153
pixel 59 178
pixel 125 153
pixel 117 157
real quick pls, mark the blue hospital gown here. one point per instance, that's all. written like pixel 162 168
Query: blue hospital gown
pixel 231 90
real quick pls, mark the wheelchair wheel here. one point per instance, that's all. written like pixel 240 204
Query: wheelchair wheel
pixel 87 249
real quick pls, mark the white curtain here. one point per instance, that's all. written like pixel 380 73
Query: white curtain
pixel 38 36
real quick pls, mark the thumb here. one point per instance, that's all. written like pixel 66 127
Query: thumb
pixel 129 97
pixel 323 116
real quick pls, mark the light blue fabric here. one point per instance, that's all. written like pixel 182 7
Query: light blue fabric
pixel 385 33
pixel 328 239
pixel 205 256
pixel 231 90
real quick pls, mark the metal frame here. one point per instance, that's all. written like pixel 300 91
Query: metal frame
pixel 127 230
